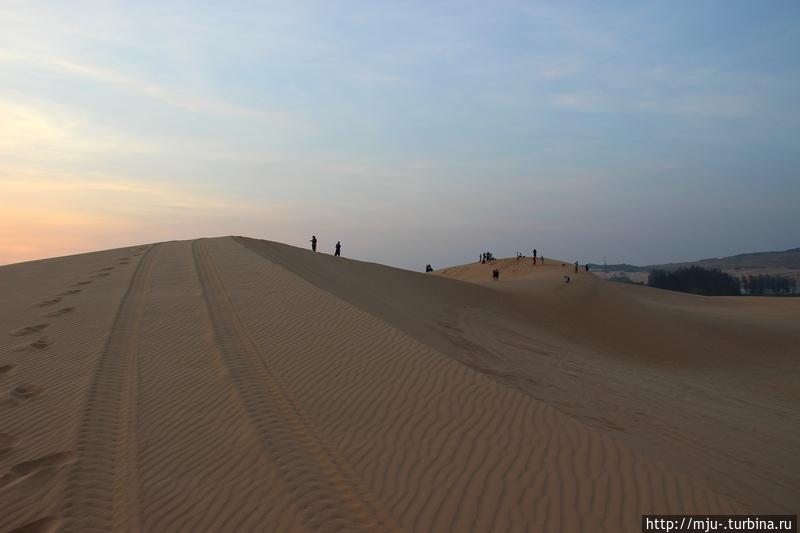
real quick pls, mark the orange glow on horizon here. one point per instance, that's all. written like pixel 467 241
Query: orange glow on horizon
pixel 50 217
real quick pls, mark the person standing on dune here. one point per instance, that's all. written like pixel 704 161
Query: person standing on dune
pixel 576 267
pixel 313 243
pixel 338 249
pixel 534 256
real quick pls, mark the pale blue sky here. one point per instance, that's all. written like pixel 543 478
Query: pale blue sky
pixel 414 132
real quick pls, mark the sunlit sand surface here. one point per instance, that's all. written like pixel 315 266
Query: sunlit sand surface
pixel 232 384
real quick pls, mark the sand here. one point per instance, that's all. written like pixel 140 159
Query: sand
pixel 240 385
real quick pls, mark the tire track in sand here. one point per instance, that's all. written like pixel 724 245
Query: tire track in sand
pixel 101 487
pixel 328 494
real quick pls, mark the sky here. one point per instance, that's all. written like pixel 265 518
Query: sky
pixel 413 132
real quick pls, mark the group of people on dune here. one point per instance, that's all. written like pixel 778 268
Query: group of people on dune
pixel 496 271
pixel 337 249
pixel 537 258
pixel 484 258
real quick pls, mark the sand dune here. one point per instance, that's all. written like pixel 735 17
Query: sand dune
pixel 241 385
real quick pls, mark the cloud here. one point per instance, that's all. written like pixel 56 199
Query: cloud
pixel 44 132
pixel 118 195
pixel 182 99
pixel 560 69
pixel 24 126
pixel 712 105
pixel 678 105
pixel 379 78
pixel 580 101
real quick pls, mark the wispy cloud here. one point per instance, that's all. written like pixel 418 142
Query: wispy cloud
pixel 121 195
pixel 46 132
pixel 182 99
pixel 581 101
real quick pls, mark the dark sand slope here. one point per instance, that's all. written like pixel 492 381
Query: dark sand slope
pixel 232 384
pixel 709 385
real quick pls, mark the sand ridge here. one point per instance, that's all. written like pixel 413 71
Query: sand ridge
pixel 211 385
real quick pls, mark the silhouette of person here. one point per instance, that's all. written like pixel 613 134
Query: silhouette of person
pixel 534 256
pixel 496 274
pixel 586 266
pixel 338 249
pixel 576 267
pixel 313 243
pixel 428 268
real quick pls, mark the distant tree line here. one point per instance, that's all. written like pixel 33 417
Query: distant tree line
pixel 620 278
pixel 766 285
pixel 623 278
pixel 697 280
pixel 714 282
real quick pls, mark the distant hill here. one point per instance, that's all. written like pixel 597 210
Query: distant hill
pixel 785 261
pixel 620 267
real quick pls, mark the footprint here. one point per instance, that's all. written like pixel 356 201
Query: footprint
pixel 25 391
pixel 62 311
pixel 41 343
pixel 71 291
pixel 5 370
pixel 48 524
pixel 106 269
pixel 20 471
pixel 104 274
pixel 48 303
pixel 27 330
pixel 80 283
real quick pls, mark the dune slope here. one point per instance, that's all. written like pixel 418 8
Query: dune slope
pixel 708 385
pixel 229 384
